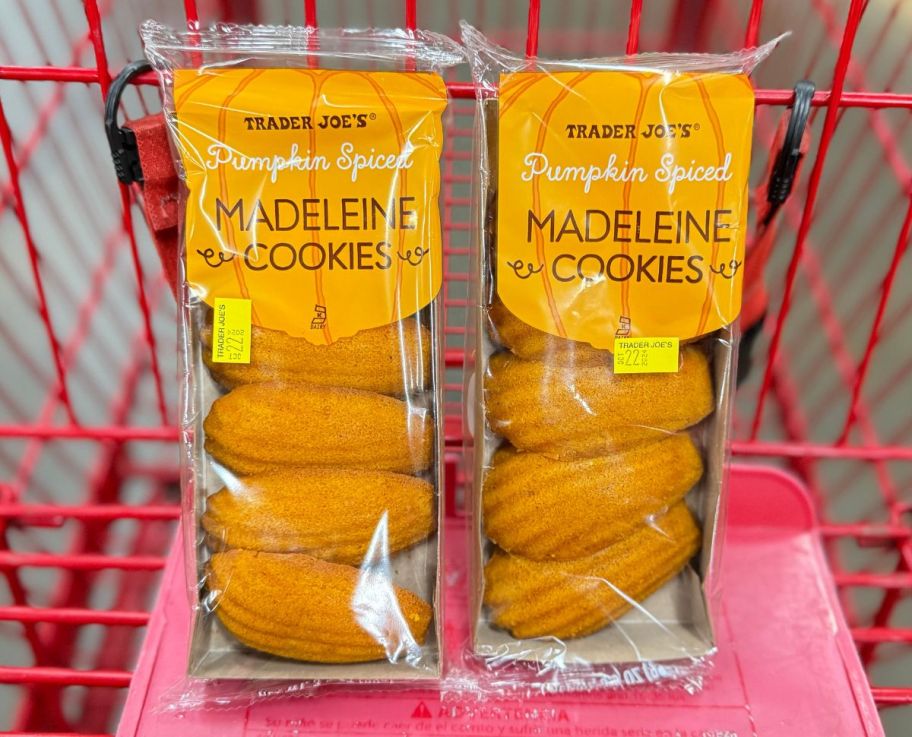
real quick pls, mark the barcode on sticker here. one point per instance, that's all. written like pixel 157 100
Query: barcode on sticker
pixel 646 355
pixel 231 331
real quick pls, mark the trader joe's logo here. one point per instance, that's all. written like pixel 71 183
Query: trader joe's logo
pixel 344 121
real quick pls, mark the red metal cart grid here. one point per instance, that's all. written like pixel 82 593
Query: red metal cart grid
pixel 87 458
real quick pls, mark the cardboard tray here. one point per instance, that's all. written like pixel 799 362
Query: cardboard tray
pixel 214 652
pixel 786 663
pixel 675 621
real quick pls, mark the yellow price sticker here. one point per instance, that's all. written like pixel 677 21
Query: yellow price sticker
pixel 646 355
pixel 231 331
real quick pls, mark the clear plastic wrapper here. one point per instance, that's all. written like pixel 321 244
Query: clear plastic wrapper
pixel 311 267
pixel 612 213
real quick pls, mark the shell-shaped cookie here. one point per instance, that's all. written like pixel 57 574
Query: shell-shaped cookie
pixel 330 513
pixel 534 344
pixel 391 359
pixel 296 606
pixel 574 598
pixel 585 411
pixel 547 509
pixel 529 342
pixel 260 428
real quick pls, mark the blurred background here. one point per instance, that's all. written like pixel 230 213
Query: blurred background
pixel 88 374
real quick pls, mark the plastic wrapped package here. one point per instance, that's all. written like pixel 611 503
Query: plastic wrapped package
pixel 311 265
pixel 611 225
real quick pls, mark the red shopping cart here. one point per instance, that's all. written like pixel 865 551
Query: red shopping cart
pixel 88 466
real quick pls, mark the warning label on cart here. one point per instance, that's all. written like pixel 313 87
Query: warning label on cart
pixel 409 716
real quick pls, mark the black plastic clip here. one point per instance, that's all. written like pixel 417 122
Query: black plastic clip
pixel 122 140
pixel 782 178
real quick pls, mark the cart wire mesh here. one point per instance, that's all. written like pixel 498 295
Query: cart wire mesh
pixel 88 465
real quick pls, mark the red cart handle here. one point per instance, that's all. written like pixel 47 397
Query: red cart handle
pixel 142 155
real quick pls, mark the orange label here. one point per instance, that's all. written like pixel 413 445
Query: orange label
pixel 622 205
pixel 312 193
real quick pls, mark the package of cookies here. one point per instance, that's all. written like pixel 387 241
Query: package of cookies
pixel 311 265
pixel 612 211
